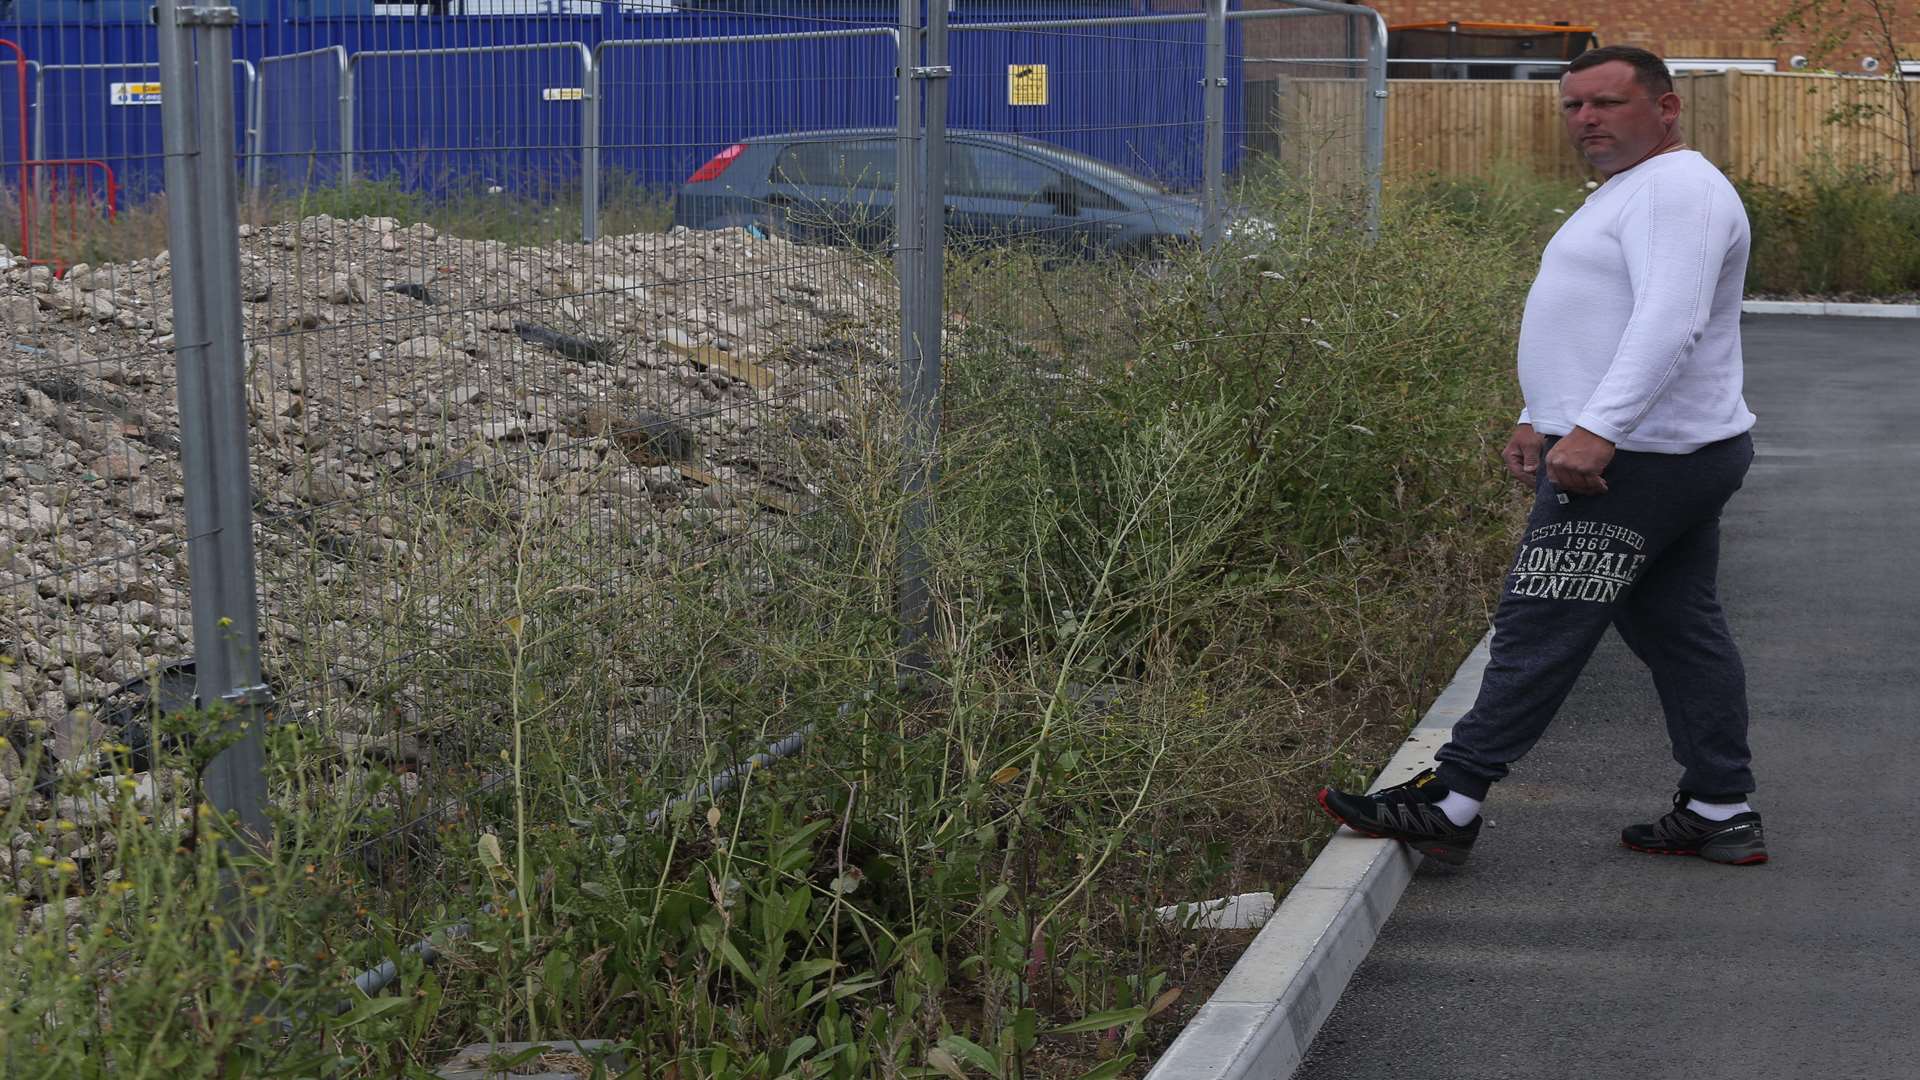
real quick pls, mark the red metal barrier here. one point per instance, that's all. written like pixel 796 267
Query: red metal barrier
pixel 26 177
pixel 64 181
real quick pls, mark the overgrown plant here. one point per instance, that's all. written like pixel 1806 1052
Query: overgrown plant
pixel 1188 560
pixel 1840 231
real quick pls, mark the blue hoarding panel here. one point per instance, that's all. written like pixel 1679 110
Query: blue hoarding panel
pixel 668 108
pixel 300 120
pixel 454 122
pixel 111 113
pixel 13 129
pixel 1128 95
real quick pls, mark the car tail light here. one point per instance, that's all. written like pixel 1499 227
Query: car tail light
pixel 712 169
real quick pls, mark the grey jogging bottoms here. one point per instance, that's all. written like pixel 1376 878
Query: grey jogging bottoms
pixel 1644 558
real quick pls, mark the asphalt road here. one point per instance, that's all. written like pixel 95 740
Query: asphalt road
pixel 1555 953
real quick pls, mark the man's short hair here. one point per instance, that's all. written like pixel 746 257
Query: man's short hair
pixel 1648 70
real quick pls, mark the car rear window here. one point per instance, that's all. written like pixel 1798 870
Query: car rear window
pixel 865 164
pixel 1101 170
pixel 999 174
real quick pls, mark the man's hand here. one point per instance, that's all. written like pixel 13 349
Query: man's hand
pixel 1577 462
pixel 1522 454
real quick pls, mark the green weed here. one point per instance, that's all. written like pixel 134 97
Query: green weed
pixel 1206 533
pixel 1843 232
pixel 1840 231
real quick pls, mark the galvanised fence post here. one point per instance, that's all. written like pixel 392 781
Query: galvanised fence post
pixel 920 212
pixel 203 234
pixel 1212 200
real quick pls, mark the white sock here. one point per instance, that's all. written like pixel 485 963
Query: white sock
pixel 1714 811
pixel 1459 808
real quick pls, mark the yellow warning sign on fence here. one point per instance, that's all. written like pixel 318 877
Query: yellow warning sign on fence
pixel 563 93
pixel 135 93
pixel 1026 84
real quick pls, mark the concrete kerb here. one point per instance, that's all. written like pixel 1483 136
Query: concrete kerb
pixel 1263 1018
pixel 1261 1021
pixel 1818 307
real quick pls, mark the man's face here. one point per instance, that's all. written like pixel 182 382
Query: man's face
pixel 1614 121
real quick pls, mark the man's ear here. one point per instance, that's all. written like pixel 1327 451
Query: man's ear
pixel 1670 108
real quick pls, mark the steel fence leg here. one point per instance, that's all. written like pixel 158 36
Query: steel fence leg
pixel 1376 119
pixel 346 122
pixel 590 149
pixel 203 234
pixel 250 133
pixel 920 199
pixel 1213 195
pixel 910 257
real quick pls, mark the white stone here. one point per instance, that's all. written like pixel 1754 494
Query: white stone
pixel 120 461
pixel 424 348
pixel 392 410
pixel 625 483
pixel 347 288
pixel 1245 911
pixel 19 312
pixel 40 406
pixel 43 520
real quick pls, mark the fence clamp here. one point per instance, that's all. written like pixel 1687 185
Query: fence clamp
pixel 937 71
pixel 1379 93
pixel 258 694
pixel 198 16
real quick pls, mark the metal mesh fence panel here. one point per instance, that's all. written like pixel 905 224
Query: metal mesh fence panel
pixel 508 118
pixel 1099 134
pixel 302 138
pixel 94 605
pixel 1310 78
pixel 560 338
pixel 672 103
pixel 1124 91
pixel 110 112
pixel 18 73
pixel 483 446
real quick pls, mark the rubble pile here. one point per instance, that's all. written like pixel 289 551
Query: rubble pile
pixel 662 375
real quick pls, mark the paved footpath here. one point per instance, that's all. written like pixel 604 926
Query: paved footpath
pixel 1557 954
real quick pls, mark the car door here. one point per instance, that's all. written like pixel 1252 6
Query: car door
pixel 834 190
pixel 1002 194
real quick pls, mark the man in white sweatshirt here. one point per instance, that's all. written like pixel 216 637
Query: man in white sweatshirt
pixel 1631 368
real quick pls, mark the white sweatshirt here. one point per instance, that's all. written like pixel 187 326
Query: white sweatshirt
pixel 1632 329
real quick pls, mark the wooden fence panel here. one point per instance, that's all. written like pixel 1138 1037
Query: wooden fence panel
pixel 1773 128
pixel 1320 129
pixel 1706 119
pixel 1770 128
pixel 1468 127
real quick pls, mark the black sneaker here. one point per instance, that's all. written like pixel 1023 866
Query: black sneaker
pixel 1737 841
pixel 1407 813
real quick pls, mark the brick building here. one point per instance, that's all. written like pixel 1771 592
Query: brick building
pixel 1706 30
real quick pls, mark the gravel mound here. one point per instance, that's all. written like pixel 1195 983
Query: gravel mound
pixel 640 384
